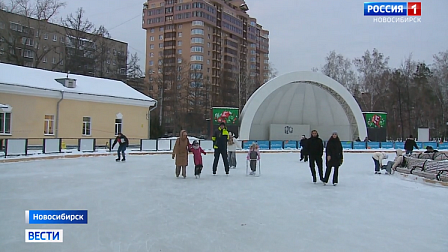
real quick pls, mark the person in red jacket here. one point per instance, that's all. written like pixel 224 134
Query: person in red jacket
pixel 197 151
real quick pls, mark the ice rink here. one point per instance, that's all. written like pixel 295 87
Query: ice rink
pixel 140 205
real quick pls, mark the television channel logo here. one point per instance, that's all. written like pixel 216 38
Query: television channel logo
pixel 44 235
pixel 394 12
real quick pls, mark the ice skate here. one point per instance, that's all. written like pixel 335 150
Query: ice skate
pixel 118 160
pixel 334 184
pixel 124 159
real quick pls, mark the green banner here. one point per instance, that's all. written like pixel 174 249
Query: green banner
pixel 375 120
pixel 229 116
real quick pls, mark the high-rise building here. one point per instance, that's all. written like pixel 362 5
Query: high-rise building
pixel 30 42
pixel 200 54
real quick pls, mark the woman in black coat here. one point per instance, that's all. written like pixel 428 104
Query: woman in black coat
pixel 333 152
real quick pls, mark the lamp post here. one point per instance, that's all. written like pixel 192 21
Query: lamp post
pixel 208 127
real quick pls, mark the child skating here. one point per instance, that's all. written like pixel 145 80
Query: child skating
pixel 197 151
pixel 253 155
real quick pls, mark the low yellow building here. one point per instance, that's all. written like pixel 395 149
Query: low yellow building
pixel 36 103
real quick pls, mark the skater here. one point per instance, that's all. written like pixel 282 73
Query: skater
pixel 123 142
pixel 197 151
pixel 409 145
pixel 399 161
pixel 180 152
pixel 378 160
pixel 232 145
pixel 253 155
pixel 220 138
pixel 335 157
pixel 303 151
pixel 430 149
pixel 315 149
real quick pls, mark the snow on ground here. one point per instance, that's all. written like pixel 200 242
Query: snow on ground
pixel 139 205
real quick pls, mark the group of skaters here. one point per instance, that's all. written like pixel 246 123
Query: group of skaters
pixel 312 150
pixel 399 160
pixel 224 144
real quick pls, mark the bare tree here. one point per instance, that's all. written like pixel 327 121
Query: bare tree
pixel 340 69
pixel 371 67
pixel 26 38
pixel 80 43
pixel 133 68
pixel 272 72
pixel 439 83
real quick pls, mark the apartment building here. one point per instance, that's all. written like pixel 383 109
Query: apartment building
pixel 200 54
pixel 40 44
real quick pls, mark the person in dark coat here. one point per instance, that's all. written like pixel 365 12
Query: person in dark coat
pixel 409 145
pixel 334 155
pixel 303 154
pixel 220 138
pixel 123 142
pixel 315 148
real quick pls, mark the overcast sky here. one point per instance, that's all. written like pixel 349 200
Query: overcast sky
pixel 302 32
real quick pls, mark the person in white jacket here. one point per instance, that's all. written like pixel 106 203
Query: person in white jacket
pixel 232 145
pixel 378 160
pixel 391 166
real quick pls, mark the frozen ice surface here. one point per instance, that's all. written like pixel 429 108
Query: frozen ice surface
pixel 139 205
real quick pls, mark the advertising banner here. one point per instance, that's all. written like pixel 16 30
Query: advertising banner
pixel 230 116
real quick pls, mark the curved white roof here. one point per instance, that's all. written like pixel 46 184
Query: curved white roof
pixel 302 98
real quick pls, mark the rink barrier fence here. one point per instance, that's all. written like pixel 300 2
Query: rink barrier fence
pixel 18 147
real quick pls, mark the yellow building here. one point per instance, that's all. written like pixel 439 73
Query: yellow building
pixel 40 104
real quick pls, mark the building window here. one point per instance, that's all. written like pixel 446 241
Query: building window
pixel 197 31
pixel 197 40
pixel 118 126
pixel 197 23
pixel 151 54
pixel 160 37
pixel 53 61
pixel 151 38
pixel 196 67
pixel 151 63
pixel 179 60
pixel 161 45
pixel 28 54
pixel 55 37
pixel 197 49
pixel 197 58
pixel 151 30
pixel 161 29
pixel 179 26
pixel 45 36
pixel 151 46
pixel 86 126
pixel 179 51
pixel 5 123
pixel 179 43
pixel 49 125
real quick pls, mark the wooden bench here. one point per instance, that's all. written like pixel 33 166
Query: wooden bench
pixel 440 172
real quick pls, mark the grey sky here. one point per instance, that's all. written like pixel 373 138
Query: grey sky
pixel 302 33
